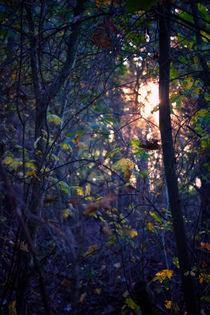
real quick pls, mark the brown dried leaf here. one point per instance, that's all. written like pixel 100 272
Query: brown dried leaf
pixel 104 203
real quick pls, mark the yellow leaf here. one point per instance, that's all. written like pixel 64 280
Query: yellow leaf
pixel 66 146
pixel 53 119
pixel 168 304
pixel 123 165
pixel 66 213
pixel 12 308
pixel 131 233
pixel 151 227
pixel 13 76
pixel 204 277
pixel 82 297
pixel 8 160
pixel 91 250
pixel 80 191
pixel 127 174
pixel 30 165
pixel 164 274
pixel 32 173
pixel 98 291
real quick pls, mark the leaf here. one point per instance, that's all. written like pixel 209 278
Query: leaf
pixel 205 245
pixel 3 219
pixel 82 297
pixel 13 76
pixel 66 146
pixel 130 302
pixel 8 160
pixel 134 5
pixel 151 227
pixel 104 203
pixel 32 173
pixel 157 217
pixel 76 132
pixel 98 291
pixel 64 187
pixel 112 153
pixel 168 304
pixel 80 191
pixel 131 233
pixel 135 142
pixel 163 275
pixel 30 164
pixel 52 118
pixel 176 262
pixel 127 174
pixel 36 142
pixel 77 138
pixel 186 16
pixel 91 250
pixel 12 308
pixel 123 165
pixel 66 213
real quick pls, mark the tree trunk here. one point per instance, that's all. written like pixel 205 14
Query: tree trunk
pixel 169 158
pixel 43 98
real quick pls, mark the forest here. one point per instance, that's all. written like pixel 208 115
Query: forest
pixel 104 157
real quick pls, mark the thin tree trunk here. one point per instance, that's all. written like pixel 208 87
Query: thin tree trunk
pixel 43 97
pixel 169 159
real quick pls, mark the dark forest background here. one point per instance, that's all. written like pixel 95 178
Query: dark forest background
pixel 104 207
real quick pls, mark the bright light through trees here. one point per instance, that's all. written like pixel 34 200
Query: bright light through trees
pixel 149 99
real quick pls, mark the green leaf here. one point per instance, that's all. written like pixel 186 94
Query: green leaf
pixel 76 132
pixel 134 5
pixel 113 152
pixel 130 302
pixel 186 16
pixel 135 142
pixel 157 217
pixel 3 219
pixel 64 187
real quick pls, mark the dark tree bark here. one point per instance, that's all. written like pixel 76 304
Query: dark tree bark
pixel 43 96
pixel 169 159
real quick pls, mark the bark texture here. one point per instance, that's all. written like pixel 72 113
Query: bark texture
pixel 169 159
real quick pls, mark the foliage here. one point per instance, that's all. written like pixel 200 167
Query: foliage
pixel 84 211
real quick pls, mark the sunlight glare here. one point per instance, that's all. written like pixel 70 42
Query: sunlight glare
pixel 149 97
